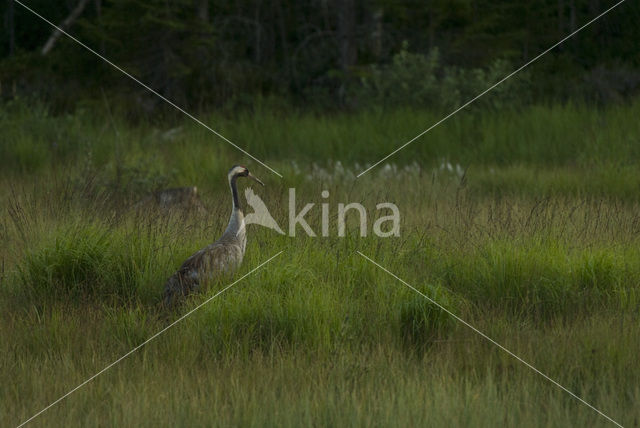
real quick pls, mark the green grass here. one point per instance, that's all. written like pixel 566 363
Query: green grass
pixel 538 246
pixel 536 136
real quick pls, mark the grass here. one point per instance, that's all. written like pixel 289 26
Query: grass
pixel 536 244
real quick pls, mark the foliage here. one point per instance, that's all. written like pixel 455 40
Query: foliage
pixel 206 54
pixel 421 81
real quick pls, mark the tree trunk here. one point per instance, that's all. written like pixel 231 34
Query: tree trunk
pixel 98 5
pixel 11 25
pixel 75 13
pixel 258 35
pixel 560 18
pixel 203 10
pixel 347 34
pixel 377 34
pixel 432 27
pixel 572 18
pixel 283 38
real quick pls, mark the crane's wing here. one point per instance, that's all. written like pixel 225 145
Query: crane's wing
pixel 202 266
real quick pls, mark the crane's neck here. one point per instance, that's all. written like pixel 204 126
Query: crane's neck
pixel 234 193
pixel 236 228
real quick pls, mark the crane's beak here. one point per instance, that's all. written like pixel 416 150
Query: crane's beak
pixel 253 177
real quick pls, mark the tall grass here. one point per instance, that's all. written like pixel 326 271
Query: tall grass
pixel 539 250
pixel 537 136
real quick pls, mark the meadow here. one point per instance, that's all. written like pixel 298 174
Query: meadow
pixel 525 223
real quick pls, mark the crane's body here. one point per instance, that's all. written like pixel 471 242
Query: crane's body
pixel 223 256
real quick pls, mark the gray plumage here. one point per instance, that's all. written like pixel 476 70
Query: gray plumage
pixel 223 256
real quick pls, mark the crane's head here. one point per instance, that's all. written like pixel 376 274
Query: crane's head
pixel 242 171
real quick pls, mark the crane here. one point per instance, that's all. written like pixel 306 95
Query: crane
pixel 224 255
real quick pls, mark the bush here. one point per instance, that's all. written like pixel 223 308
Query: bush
pixel 422 81
pixel 606 85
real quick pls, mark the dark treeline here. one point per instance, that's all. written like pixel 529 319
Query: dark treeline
pixel 326 53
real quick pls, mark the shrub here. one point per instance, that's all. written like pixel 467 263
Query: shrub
pixel 422 81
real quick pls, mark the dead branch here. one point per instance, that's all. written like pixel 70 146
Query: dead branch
pixel 75 13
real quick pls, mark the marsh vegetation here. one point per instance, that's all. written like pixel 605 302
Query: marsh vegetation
pixel 525 223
